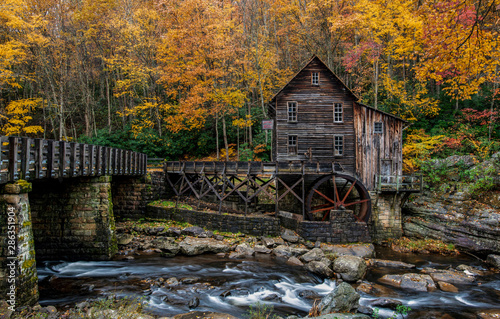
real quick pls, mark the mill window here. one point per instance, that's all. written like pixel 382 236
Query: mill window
pixel 338 113
pixel 292 111
pixel 338 145
pixel 315 78
pixel 293 147
pixel 378 128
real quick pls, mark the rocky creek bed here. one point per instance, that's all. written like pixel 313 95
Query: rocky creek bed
pixel 175 270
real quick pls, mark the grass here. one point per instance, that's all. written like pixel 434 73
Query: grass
pixel 404 244
pixel 170 204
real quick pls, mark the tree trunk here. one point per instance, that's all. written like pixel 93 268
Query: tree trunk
pixel 217 135
pixel 224 134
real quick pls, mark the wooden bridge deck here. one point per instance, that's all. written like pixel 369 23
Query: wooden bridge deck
pixel 253 168
pixel 31 159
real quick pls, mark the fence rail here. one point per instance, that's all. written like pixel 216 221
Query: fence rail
pixel 31 159
pixel 400 183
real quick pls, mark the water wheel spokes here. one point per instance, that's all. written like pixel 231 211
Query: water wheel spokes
pixel 325 195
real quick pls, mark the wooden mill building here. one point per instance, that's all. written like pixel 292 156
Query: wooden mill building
pixel 317 118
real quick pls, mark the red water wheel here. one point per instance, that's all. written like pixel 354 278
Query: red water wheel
pixel 338 192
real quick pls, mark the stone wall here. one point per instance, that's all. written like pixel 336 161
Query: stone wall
pixel 132 194
pixel 73 219
pixel 18 276
pixel 252 225
pixel 385 221
pixel 342 228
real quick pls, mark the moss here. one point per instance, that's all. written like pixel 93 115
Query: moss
pixel 28 263
pixel 24 185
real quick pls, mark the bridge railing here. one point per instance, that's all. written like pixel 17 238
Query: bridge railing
pixel 31 159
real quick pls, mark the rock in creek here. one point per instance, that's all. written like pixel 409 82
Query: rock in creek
pixel 294 261
pixel 124 239
pixel 350 268
pixel 385 303
pixel 167 245
pixel 411 281
pixel 314 254
pixel 449 276
pixel 289 236
pixel 196 246
pixel 343 299
pixel 493 260
pixel 194 231
pixel 358 250
pixel 321 267
pixel 389 263
pixel 204 315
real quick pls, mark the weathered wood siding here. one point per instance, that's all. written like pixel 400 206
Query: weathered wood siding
pixel 377 152
pixel 315 127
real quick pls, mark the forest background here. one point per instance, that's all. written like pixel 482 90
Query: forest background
pixel 186 79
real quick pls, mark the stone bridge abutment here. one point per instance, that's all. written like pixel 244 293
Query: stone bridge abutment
pixel 69 219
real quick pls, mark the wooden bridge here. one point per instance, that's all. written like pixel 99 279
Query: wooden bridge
pixel 316 187
pixel 31 159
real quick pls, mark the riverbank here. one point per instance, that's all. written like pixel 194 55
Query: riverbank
pixel 186 255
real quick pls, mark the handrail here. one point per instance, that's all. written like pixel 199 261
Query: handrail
pixel 399 183
pixel 32 158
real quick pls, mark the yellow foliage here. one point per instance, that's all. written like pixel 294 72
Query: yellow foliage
pixel 418 147
pixel 17 115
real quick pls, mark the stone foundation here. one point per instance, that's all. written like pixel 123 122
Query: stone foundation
pixel 18 276
pixel 252 225
pixel 132 194
pixel 73 219
pixel 385 221
pixel 342 228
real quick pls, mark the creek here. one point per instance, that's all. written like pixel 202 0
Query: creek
pixel 231 286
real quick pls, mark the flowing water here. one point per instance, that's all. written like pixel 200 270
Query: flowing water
pixel 209 283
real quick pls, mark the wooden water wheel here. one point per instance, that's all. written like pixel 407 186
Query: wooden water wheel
pixel 338 192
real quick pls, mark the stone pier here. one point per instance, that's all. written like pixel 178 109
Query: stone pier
pixel 385 221
pixel 18 276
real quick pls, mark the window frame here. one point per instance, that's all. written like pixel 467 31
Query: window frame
pixel 335 113
pixel 335 137
pixel 375 130
pixel 292 116
pixel 315 78
pixel 295 146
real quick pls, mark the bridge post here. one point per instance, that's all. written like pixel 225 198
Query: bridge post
pixel 18 276
pixel 386 221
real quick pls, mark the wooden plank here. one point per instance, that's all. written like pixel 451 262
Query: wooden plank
pixel 38 158
pixel 62 158
pixel 13 157
pixel 51 158
pixel 72 159
pixel 91 171
pixel 98 160
pixel 83 160
pixel 25 158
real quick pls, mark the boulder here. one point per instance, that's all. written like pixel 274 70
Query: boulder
pixel 289 236
pixel 298 250
pixel 489 314
pixel 262 249
pixel 314 254
pixel 194 231
pixel 282 251
pixel 449 276
pixel 493 260
pixel 321 267
pixel 350 268
pixel 245 249
pixel 172 232
pixel 343 299
pixel 124 239
pixel 196 246
pixel 343 316
pixel 418 282
pixel 389 263
pixel 272 242
pixel 294 261
pixel 205 315
pixel 358 250
pixel 444 286
pixel 385 303
pixel 167 245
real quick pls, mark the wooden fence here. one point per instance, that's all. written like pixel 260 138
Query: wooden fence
pixel 31 159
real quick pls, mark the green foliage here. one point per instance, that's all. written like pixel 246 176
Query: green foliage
pixel 261 311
